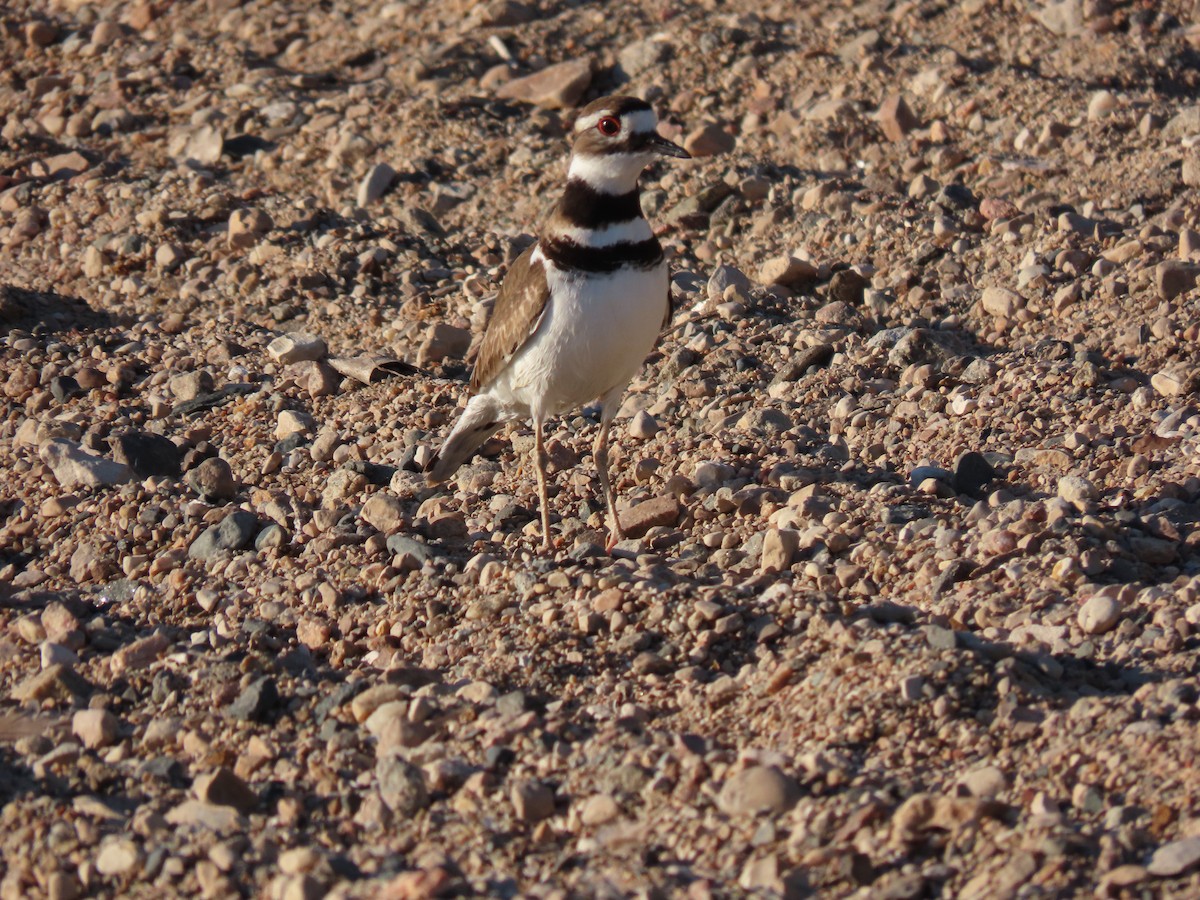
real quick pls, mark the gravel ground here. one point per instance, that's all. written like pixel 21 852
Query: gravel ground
pixel 911 600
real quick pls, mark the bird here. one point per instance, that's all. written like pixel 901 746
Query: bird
pixel 581 308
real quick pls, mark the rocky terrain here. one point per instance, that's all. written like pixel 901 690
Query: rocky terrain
pixel 911 601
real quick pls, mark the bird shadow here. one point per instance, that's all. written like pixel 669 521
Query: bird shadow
pixel 49 312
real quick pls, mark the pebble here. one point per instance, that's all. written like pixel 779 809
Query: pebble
pixel 375 184
pixel 661 511
pixel 643 56
pixel 532 801
pixel 190 385
pixel 297 346
pixel 709 140
pixel 1174 277
pixel 247 226
pixel 896 118
pixel 95 728
pixel 384 513
pixel 256 702
pixel 293 422
pixel 1099 614
pixel 233 533
pixel 1001 302
pixel 74 467
pixel 222 787
pixel 555 87
pixel 787 271
pixel 972 473
pixel 779 549
pixel 443 341
pixel 1175 858
pixel 758 789
pixel 213 479
pixel 1077 490
pixel 401 785
pixel 599 809
pixel 146 454
pixel 117 857
pixel 987 782
pixel 1101 105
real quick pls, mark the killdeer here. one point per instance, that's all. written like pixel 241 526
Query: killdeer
pixel 580 309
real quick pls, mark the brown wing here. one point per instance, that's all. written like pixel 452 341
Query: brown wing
pixel 519 307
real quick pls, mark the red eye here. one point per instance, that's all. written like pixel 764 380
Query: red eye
pixel 609 126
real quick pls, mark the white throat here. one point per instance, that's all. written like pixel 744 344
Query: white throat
pixel 611 173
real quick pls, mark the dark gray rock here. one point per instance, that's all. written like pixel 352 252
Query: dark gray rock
pixel 401 785
pixel 254 704
pixel 233 533
pixel 972 473
pixel 146 453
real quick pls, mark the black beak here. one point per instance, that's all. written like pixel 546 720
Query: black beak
pixel 663 147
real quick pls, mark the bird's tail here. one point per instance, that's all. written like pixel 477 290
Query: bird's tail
pixel 479 421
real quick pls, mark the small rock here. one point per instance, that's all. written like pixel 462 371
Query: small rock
pixel 1001 302
pixel 401 785
pixel 779 549
pixel 1175 858
pixel 190 385
pixel 599 810
pixel 118 856
pixel 256 702
pixel 1099 614
pixel 1077 490
pixel 195 814
pixel 75 467
pixel 758 789
pixel 375 184
pixel 204 145
pixel 95 727
pixel 1101 105
pixel 1174 277
pixel 896 118
pixel 556 87
pixel 709 140
pixel 384 513
pixel 1064 18
pixel 972 473
pixel 213 479
pixel 224 788
pixel 169 257
pixel 140 654
pixel 642 56
pixel 58 682
pixel 146 453
pixel 787 271
pixel 532 801
pixel 40 34
pixel 443 341
pixel 642 426
pixel 636 521
pixel 725 277
pixel 987 782
pixel 233 533
pixel 296 346
pixel 247 226
pixel 1170 384
pixel 293 422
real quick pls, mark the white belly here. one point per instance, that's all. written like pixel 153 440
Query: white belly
pixel 594 335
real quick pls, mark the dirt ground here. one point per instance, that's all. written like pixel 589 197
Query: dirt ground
pixel 911 598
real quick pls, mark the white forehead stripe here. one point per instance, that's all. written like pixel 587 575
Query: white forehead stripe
pixel 642 121
pixel 632 232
